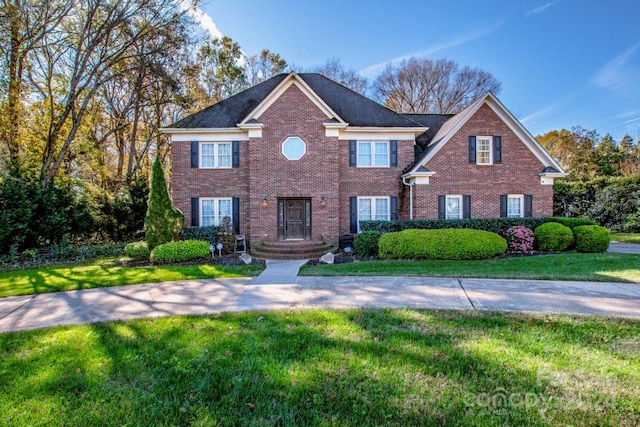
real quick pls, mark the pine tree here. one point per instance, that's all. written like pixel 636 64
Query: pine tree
pixel 162 223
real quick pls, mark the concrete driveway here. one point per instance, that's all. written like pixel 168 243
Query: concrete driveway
pixel 219 295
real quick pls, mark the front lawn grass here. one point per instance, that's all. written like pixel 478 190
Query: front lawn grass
pixel 609 267
pixel 106 272
pixel 318 368
pixel 626 237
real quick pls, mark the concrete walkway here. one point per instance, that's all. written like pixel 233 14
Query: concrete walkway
pixel 624 248
pixel 218 295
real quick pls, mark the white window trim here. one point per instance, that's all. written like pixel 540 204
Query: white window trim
pixel 304 144
pixel 216 205
pixel 519 197
pixel 490 139
pixel 215 155
pixel 454 196
pixel 373 154
pixel 373 199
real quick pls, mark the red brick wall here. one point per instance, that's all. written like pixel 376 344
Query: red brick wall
pixel 188 182
pixel 517 174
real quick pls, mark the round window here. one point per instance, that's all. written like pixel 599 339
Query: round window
pixel 294 148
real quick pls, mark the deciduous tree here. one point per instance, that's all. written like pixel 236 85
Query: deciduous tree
pixel 422 85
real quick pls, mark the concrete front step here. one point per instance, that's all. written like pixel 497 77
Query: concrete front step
pixel 303 249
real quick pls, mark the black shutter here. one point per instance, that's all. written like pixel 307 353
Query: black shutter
pixel 472 149
pixel 528 205
pixel 194 154
pixel 394 153
pixel 466 206
pixel 352 154
pixel 195 214
pixel 353 214
pixel 235 214
pixel 235 154
pixel 442 203
pixel 497 149
pixel 503 206
pixel 394 208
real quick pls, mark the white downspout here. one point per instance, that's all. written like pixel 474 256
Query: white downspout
pixel 410 185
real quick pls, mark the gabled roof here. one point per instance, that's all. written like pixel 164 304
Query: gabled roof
pixel 451 126
pixel 350 107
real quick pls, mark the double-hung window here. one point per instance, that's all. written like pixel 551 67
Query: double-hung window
pixel 453 207
pixel 515 206
pixel 373 209
pixel 213 210
pixel 215 155
pixel 373 153
pixel 484 149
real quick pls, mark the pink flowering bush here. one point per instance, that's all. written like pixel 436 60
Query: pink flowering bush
pixel 519 239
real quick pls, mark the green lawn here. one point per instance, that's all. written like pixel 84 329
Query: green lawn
pixel 103 273
pixel 321 368
pixel 626 237
pixel 567 266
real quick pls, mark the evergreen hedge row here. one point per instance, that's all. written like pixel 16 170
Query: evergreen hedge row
pixel 494 225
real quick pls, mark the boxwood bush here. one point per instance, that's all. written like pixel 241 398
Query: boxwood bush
pixel 184 250
pixel 137 250
pixel 553 237
pixel 208 234
pixel 592 238
pixel 571 222
pixel 449 244
pixel 366 243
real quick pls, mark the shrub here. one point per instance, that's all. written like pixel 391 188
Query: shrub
pixel 162 223
pixel 520 239
pixel 208 234
pixel 451 244
pixel 592 238
pixel 137 250
pixel 366 243
pixel 553 237
pixel 572 222
pixel 184 250
pixel 494 225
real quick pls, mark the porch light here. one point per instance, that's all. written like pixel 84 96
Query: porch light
pixel 323 202
pixel 264 203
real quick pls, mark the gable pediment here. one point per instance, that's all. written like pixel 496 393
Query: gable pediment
pixel 292 80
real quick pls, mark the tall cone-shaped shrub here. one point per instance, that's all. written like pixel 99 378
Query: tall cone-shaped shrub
pixel 162 223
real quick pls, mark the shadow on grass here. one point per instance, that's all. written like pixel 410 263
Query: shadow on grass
pixel 354 367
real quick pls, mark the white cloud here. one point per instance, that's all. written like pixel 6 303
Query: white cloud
pixel 458 40
pixel 620 74
pixel 201 18
pixel 540 9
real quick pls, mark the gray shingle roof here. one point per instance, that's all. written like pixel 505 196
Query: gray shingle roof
pixel 353 108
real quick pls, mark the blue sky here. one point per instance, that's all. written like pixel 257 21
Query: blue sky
pixel 562 63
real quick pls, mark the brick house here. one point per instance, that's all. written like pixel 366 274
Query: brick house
pixel 301 157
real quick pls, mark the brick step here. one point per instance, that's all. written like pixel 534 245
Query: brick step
pixel 292 250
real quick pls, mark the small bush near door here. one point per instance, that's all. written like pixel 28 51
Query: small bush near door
pixel 553 237
pixel 366 243
pixel 447 244
pixel 592 238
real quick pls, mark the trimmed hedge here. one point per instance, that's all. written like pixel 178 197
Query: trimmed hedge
pixel 494 225
pixel 571 222
pixel 184 250
pixel 208 234
pixel 137 250
pixel 366 243
pixel 553 237
pixel 448 244
pixel 592 238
